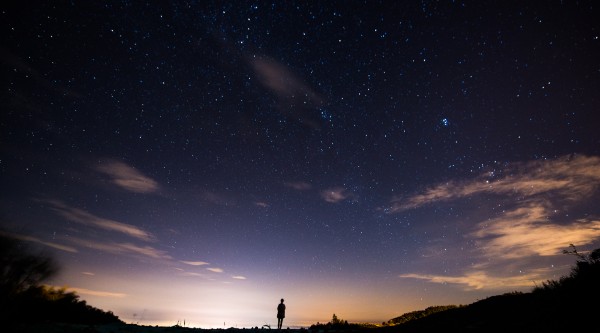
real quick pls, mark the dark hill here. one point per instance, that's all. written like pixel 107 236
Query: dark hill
pixel 570 304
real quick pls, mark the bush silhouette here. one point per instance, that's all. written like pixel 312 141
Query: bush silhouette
pixel 21 270
pixel 584 276
pixel 23 298
pixel 557 306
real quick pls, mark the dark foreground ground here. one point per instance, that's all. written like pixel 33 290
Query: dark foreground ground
pixel 129 328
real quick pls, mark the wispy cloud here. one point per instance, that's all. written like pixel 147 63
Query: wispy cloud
pixel 527 226
pixel 530 225
pixel 83 291
pixel 335 194
pixel 191 274
pixel 294 95
pixel 527 231
pixel 147 251
pixel 300 186
pixel 128 177
pixel 86 218
pixel 207 276
pixel 570 178
pixel 194 263
pixel 39 241
pixel 215 269
pixel 123 248
pixel 476 280
pixel 261 204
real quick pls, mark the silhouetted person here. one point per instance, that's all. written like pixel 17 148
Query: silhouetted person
pixel 280 314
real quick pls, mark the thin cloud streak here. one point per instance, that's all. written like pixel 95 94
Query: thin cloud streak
pixel 215 269
pixel 335 195
pixel 39 241
pixel 300 186
pixel 85 218
pixel 194 263
pixel 147 251
pixel 571 178
pixel 191 274
pixel 83 291
pixel 128 178
pixel 478 280
pixel 123 248
pixel 526 231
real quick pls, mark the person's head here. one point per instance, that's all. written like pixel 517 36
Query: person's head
pixel 282 300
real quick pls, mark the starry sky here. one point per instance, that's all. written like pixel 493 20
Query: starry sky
pixel 201 160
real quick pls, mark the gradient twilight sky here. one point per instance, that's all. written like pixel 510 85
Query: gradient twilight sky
pixel 200 160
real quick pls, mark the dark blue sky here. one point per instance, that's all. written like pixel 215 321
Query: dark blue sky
pixel 202 160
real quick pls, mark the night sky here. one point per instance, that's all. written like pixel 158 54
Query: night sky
pixel 199 161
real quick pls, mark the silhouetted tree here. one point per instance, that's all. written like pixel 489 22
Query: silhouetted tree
pixel 584 276
pixel 335 320
pixel 19 269
pixel 23 298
